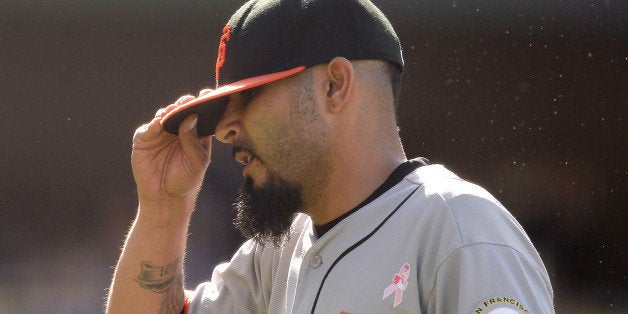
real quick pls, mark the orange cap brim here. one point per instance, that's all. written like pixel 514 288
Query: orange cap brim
pixel 211 106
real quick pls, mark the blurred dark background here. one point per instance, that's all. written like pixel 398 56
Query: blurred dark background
pixel 527 98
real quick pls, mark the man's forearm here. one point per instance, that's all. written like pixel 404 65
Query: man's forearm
pixel 149 274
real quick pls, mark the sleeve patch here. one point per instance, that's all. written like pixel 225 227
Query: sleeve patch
pixel 500 305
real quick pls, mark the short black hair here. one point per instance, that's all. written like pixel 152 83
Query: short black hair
pixel 395 74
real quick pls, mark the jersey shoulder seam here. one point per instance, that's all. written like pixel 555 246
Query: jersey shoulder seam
pixel 458 248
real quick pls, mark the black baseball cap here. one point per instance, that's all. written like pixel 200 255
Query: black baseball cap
pixel 267 40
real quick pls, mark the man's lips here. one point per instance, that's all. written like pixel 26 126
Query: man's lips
pixel 248 167
pixel 245 157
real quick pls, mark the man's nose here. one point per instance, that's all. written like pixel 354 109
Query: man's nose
pixel 228 128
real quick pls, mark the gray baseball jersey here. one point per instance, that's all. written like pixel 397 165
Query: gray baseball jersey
pixel 432 243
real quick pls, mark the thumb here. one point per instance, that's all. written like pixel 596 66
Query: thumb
pixel 194 147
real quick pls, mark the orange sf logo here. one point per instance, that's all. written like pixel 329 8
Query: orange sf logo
pixel 222 49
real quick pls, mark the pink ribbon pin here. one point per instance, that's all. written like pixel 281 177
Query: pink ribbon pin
pixel 399 284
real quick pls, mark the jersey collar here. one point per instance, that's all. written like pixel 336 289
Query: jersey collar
pixel 395 177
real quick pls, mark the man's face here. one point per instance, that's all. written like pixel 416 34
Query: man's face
pixel 278 133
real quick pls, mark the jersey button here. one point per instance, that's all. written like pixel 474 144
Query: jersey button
pixel 316 261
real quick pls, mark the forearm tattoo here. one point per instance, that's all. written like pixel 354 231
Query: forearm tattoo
pixel 167 280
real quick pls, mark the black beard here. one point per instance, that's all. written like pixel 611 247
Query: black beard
pixel 265 214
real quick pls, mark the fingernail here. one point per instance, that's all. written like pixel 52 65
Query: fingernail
pixel 192 124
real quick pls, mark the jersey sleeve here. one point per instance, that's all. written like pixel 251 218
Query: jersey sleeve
pixel 240 286
pixel 484 278
pixel 480 259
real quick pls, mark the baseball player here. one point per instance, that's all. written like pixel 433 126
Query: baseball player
pixel 339 220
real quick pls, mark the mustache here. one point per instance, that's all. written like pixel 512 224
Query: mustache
pixel 242 146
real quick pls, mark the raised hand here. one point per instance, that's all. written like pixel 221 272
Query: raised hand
pixel 169 169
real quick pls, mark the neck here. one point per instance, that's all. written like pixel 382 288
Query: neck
pixel 353 179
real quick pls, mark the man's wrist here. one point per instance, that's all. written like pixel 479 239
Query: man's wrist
pixel 165 213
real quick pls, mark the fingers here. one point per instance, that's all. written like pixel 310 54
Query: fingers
pixel 204 91
pixel 163 111
pixel 206 141
pixel 147 131
pixel 153 128
pixel 183 99
pixel 196 148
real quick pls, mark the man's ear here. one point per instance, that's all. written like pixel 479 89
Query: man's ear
pixel 340 79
